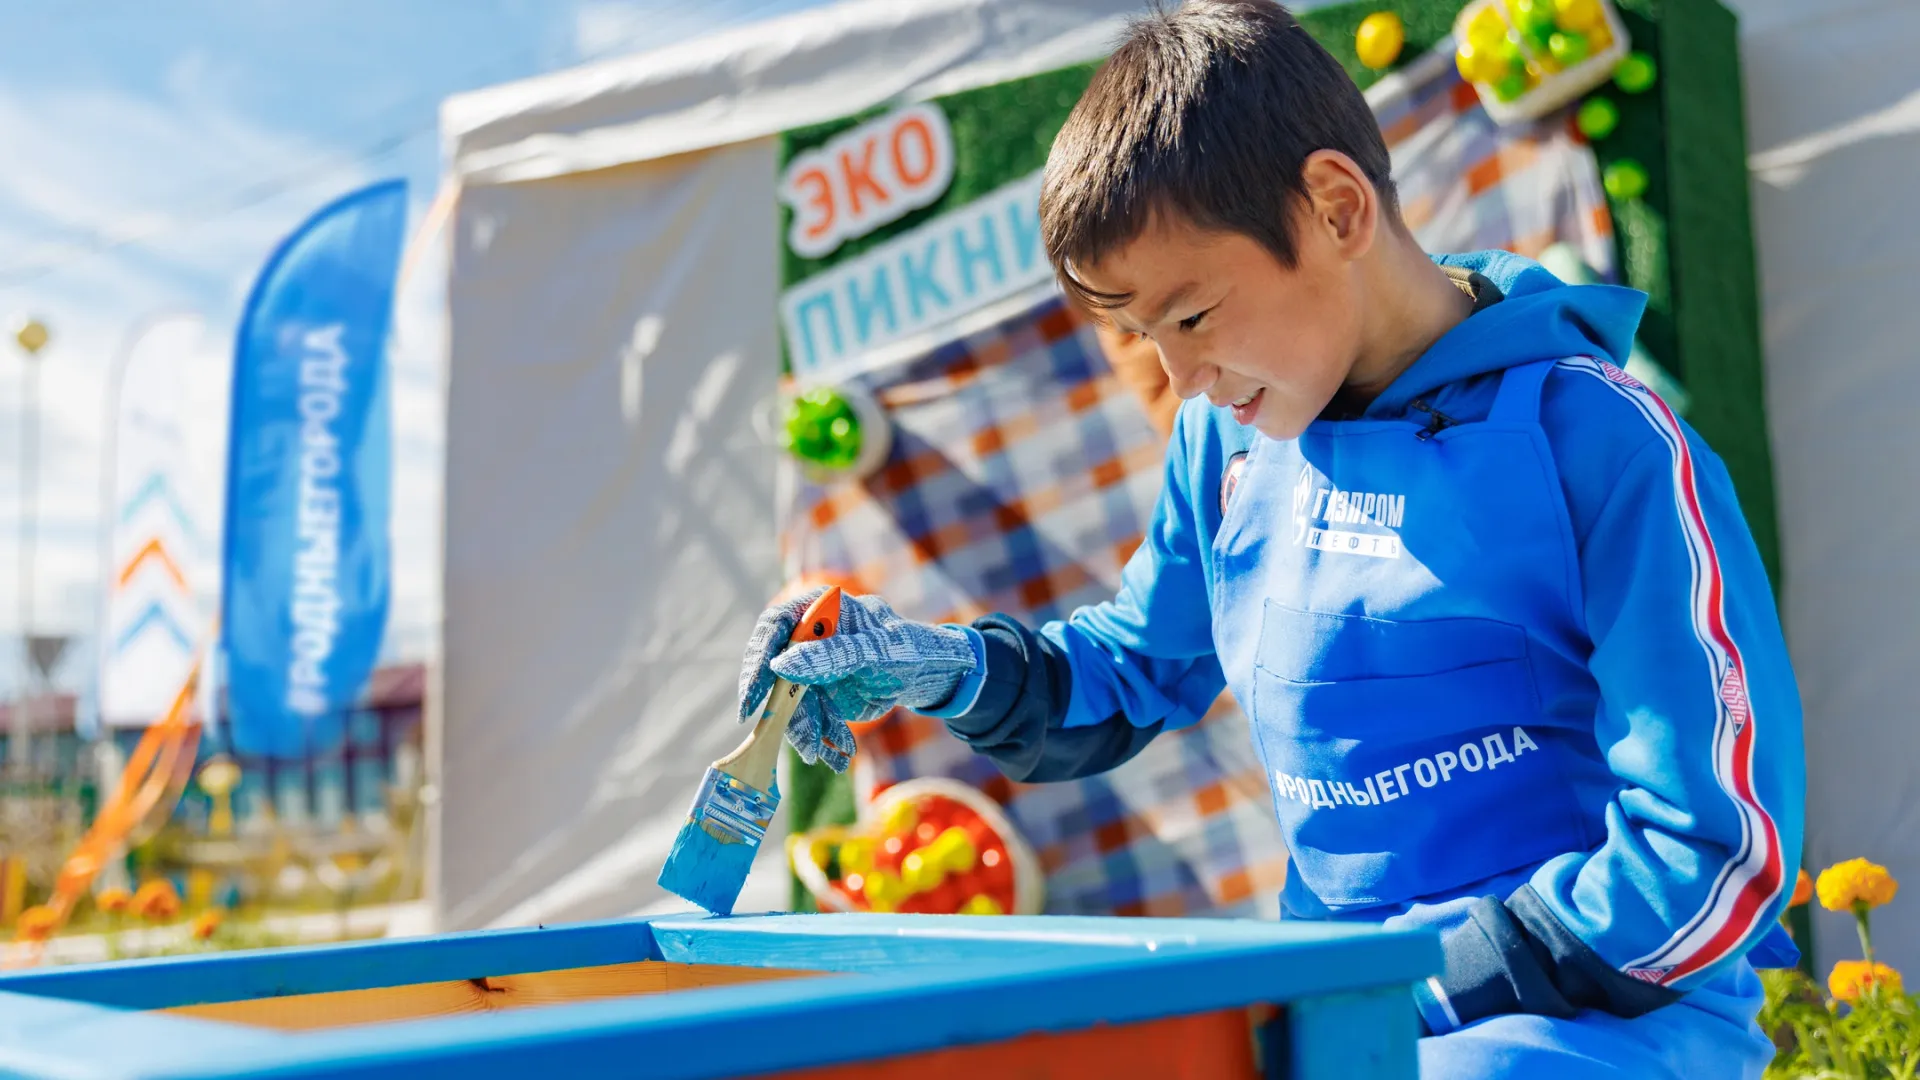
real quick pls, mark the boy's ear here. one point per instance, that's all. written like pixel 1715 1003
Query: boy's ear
pixel 1342 202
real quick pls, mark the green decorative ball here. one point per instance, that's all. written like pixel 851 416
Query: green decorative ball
pixel 1625 180
pixel 1597 118
pixel 1510 86
pixel 822 429
pixel 1567 48
pixel 1512 57
pixel 1636 73
pixel 1534 18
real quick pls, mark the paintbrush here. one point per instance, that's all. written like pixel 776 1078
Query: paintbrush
pixel 735 804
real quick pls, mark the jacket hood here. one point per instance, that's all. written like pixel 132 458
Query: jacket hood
pixel 1539 318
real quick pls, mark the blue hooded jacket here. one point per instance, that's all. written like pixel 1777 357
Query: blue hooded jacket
pixel 1083 695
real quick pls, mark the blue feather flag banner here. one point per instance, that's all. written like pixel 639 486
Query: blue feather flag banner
pixel 304 601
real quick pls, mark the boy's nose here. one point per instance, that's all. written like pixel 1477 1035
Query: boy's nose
pixel 1186 376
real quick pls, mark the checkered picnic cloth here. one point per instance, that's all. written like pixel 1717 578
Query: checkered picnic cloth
pixel 1023 476
pixel 1469 184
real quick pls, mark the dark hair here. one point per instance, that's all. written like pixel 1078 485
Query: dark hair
pixel 1208 111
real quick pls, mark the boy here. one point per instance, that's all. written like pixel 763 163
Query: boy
pixel 1510 656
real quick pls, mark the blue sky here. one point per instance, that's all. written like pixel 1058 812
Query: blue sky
pixel 154 153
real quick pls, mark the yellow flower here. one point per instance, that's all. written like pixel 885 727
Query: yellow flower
pixel 1852 978
pixel 1802 889
pixel 206 923
pixel 156 901
pixel 37 923
pixel 113 901
pixel 1855 881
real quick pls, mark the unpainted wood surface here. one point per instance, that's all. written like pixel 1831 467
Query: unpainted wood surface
pixel 307 1012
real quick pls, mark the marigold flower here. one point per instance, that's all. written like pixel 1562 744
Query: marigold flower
pixel 1802 889
pixel 206 923
pixel 156 901
pixel 1852 978
pixel 37 923
pixel 113 901
pixel 1855 881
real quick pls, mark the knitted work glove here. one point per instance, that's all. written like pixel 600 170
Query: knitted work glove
pixel 873 662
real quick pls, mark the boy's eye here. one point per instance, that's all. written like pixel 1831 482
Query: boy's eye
pixel 1193 320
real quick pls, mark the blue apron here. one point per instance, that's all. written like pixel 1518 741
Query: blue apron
pixel 1397 606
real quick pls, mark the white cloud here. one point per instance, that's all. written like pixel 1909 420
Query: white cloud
pixel 103 163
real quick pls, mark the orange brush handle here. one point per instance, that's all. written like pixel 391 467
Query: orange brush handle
pixel 821 619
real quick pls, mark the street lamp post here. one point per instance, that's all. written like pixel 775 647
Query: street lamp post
pixel 32 336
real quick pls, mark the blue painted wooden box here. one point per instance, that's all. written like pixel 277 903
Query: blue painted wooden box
pixel 794 996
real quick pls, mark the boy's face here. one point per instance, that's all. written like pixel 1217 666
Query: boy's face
pixel 1271 343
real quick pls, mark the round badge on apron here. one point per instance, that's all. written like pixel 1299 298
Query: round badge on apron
pixel 1236 465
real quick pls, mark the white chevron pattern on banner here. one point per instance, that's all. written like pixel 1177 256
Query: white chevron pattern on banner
pixel 155 556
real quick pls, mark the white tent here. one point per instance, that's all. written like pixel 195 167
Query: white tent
pixel 610 517
pixel 1833 123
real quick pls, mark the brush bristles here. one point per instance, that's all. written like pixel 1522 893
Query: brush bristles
pixel 714 851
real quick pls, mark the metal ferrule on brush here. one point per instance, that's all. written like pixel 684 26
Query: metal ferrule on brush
pixel 732 812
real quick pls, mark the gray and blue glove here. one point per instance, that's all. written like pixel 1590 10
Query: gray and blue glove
pixel 873 662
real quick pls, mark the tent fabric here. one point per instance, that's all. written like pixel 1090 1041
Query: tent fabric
pixel 1833 118
pixel 765 78
pixel 609 525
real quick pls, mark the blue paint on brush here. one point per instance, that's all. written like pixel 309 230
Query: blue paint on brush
pixel 714 851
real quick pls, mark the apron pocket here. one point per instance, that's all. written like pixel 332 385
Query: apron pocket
pixel 1404 757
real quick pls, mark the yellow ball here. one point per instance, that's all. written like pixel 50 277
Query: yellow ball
pixel 1583 16
pixel 955 850
pixel 1381 37
pixel 981 904
pixel 883 890
pixel 920 873
pixel 856 855
pixel 1487 29
pixel 1479 65
pixel 901 818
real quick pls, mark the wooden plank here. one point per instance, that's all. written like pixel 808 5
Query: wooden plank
pixel 1323 957
pixel 1367 1035
pixel 1163 969
pixel 1210 1046
pixel 168 982
pixel 344 1008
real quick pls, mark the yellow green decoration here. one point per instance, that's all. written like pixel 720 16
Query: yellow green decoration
pixel 1579 16
pixel 1379 40
pixel 821 428
pixel 1567 47
pixel 1544 37
pixel 1597 118
pixel 1625 180
pixel 1535 21
pixel 1636 73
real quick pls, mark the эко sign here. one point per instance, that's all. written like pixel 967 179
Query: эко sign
pixel 867 177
